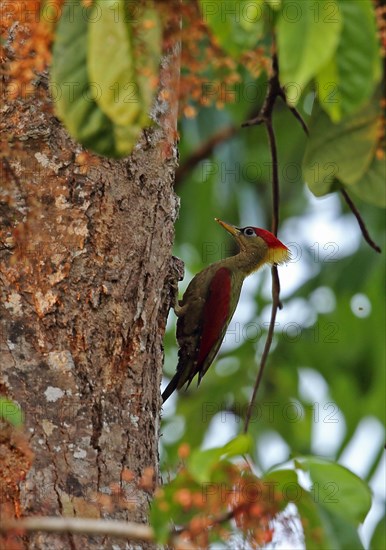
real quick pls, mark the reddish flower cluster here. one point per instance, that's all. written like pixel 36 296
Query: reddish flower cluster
pixel 237 503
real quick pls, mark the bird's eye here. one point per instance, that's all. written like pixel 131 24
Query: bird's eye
pixel 249 232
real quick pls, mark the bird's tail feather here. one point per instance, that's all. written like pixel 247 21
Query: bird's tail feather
pixel 171 387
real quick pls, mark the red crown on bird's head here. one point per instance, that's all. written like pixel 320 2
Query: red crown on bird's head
pixel 278 252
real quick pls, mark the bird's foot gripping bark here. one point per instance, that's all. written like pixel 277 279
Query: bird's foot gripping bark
pixel 176 274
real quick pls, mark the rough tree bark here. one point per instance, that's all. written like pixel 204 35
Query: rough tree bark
pixel 84 278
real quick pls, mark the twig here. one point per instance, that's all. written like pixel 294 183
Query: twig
pixel 274 91
pixel 205 151
pixel 362 225
pixel 223 518
pixel 298 116
pixel 268 343
pixel 275 176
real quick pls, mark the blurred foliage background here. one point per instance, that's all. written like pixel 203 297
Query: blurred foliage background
pixel 324 386
pixel 323 390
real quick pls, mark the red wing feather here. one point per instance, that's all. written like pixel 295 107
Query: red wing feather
pixel 216 312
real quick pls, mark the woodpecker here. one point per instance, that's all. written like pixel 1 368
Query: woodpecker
pixel 211 298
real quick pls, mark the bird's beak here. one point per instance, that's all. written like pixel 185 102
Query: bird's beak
pixel 232 229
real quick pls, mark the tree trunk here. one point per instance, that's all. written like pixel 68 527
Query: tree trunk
pixel 85 275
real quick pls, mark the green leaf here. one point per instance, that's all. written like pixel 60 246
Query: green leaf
pixel 10 411
pixel 202 463
pixel 240 445
pixel 103 73
pixel 241 20
pixel 160 523
pixel 285 482
pixel 342 534
pixel 350 76
pixel 307 37
pixel 316 536
pixel 166 508
pixel 338 490
pixel 371 187
pixel 110 62
pixel 322 530
pixel 378 540
pixel 331 511
pixel 339 151
pixel 123 58
pixel 70 88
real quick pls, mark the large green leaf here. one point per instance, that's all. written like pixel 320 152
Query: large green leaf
pixel 371 187
pixel 307 37
pixel 285 483
pixel 349 77
pixel 341 151
pixel 110 62
pixel 70 88
pixel 342 534
pixel 331 511
pixel 378 540
pixel 236 24
pixel 104 69
pixel 123 58
pixel 316 536
pixel 338 490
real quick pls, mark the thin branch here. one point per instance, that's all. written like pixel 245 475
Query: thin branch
pixel 273 92
pixel 298 117
pixel 206 150
pixel 275 176
pixel 362 225
pixel 268 343
pixel 223 518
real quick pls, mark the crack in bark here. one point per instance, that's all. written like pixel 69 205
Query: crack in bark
pixel 10 352
pixel 97 425
pixel 55 472
pixel 69 536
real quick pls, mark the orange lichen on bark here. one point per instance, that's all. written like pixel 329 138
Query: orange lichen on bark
pixel 31 24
